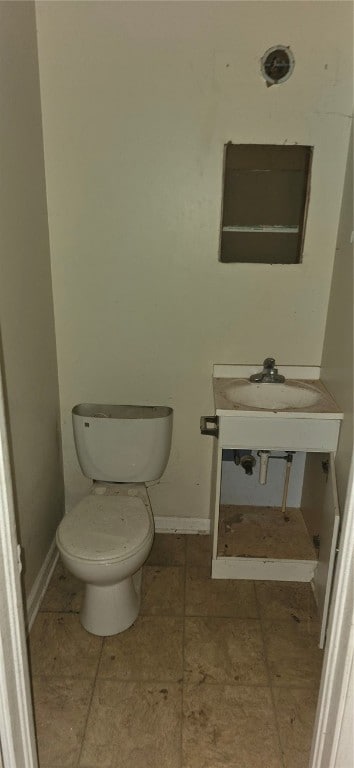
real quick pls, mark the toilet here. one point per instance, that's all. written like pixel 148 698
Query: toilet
pixel 105 539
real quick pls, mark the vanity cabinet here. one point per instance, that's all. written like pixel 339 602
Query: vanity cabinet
pixel 278 433
pixel 315 524
pixel 242 543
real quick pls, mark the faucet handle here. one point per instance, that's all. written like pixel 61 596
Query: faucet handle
pixel 269 362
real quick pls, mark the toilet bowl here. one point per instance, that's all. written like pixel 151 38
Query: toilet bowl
pixel 105 539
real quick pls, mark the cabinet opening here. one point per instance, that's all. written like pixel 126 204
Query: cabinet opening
pixel 265 200
pixel 258 521
pixel 273 525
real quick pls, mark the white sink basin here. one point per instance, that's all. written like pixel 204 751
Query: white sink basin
pixel 275 397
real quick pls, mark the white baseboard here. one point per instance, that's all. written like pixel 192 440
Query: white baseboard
pixel 40 585
pixel 199 525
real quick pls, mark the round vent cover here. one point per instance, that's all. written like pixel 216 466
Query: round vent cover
pixel 277 64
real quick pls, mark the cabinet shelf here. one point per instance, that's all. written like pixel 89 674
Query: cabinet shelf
pixel 275 229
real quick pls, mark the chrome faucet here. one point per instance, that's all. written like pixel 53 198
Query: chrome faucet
pixel 269 374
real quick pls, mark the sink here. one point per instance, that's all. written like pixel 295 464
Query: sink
pixel 299 414
pixel 271 396
pixel 301 396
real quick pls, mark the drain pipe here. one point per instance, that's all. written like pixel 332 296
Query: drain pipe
pixel 264 457
pixel 246 459
pixel 263 466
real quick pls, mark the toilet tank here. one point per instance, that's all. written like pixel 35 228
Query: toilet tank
pixel 122 443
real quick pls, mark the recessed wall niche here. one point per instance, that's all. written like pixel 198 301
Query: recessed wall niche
pixel 265 199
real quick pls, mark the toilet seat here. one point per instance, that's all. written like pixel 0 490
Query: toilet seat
pixel 105 528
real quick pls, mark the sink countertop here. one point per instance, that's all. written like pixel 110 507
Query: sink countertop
pixel 324 408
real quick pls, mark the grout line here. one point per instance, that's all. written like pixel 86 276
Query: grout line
pixel 90 704
pixel 258 607
pixel 169 681
pixel 220 616
pixel 67 613
pixel 183 648
pixel 261 623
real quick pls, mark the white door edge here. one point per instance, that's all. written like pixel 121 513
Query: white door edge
pixel 16 714
pixel 339 650
pixel 328 532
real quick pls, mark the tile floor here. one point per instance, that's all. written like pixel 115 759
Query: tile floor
pixel 213 674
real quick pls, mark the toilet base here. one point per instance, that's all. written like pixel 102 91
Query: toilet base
pixel 108 610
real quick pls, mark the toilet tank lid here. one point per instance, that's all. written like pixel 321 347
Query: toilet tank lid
pixel 105 411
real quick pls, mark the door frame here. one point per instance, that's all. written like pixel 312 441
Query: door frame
pixel 17 732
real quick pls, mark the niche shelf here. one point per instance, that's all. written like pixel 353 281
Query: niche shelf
pixel 265 198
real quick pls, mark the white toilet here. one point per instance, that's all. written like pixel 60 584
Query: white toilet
pixel 107 537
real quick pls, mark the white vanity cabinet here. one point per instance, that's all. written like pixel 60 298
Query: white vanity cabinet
pixel 311 432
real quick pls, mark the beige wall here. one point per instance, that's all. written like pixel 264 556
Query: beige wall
pixel 27 324
pixel 337 359
pixel 138 100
